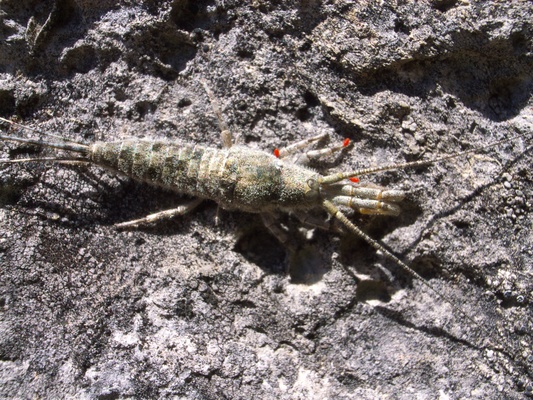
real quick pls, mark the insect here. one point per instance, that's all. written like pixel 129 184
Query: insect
pixel 241 178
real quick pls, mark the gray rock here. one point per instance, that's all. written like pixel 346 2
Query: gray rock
pixel 191 309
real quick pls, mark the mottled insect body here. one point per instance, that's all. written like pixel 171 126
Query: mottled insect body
pixel 236 177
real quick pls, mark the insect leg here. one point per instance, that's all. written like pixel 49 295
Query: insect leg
pixel 225 134
pixel 316 154
pixel 293 148
pixel 312 221
pixel 273 225
pixel 167 214
pixel 373 200
pixel 311 154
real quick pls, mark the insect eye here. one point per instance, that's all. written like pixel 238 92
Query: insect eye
pixel 313 184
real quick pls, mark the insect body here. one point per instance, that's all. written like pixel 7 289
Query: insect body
pixel 237 177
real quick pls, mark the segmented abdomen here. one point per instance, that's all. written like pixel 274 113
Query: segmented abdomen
pixel 195 170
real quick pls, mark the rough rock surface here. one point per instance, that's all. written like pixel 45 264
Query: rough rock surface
pixel 192 309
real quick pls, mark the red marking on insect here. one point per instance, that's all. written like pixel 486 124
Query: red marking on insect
pixel 276 152
pixel 346 142
pixel 355 179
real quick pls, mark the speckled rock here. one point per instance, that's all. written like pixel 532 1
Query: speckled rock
pixel 191 309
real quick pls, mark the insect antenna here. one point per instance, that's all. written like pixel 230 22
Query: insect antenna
pixel 66 144
pixel 337 177
pixel 29 128
pixel 42 159
pixel 338 214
